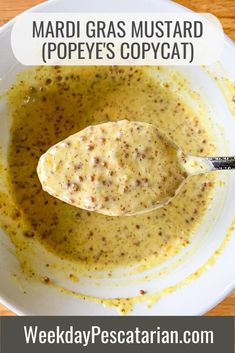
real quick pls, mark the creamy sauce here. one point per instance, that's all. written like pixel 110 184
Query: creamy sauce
pixel 117 168
pixel 48 104
pixel 58 102
pixel 125 305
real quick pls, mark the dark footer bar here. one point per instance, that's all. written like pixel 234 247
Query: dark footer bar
pixel 116 334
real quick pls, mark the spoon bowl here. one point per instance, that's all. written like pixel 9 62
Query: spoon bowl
pixel 120 168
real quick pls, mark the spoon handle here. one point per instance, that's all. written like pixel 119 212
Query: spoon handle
pixel 198 165
pixel 220 163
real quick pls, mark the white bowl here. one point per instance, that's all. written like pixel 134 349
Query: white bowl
pixel 195 297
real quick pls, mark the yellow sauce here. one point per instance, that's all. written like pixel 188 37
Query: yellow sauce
pixel 117 168
pixel 47 105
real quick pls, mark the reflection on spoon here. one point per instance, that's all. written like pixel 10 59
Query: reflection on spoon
pixel 119 168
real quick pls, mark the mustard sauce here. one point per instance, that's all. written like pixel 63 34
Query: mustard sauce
pixel 116 168
pixel 48 104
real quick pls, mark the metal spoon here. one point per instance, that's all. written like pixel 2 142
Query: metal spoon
pixel 120 168
pixel 199 165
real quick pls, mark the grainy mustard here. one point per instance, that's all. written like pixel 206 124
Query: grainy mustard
pixel 116 168
pixel 49 104
pixel 46 105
